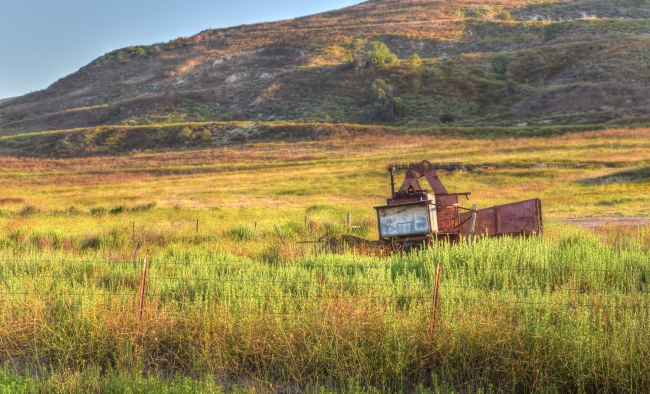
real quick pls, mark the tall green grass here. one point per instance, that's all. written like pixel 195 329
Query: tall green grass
pixel 566 312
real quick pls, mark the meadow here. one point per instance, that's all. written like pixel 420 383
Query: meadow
pixel 230 307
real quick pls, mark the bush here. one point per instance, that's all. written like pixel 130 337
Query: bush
pixel 184 135
pixel 414 61
pixel 98 211
pixel 446 118
pixel 381 91
pixel 116 210
pixel 379 54
pixel 205 135
pixel 504 15
pixel 500 65
pixel 29 210
pixel 385 105
pixel 241 233
pixel 144 207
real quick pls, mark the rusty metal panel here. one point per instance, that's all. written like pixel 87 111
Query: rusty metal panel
pixel 485 223
pixel 448 219
pixel 404 200
pixel 522 217
pixel 407 219
pixel 519 218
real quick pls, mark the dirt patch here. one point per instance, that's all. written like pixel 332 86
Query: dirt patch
pixel 600 222
pixel 10 200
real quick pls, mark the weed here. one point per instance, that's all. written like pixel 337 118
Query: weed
pixel 116 210
pixel 29 210
pixel 98 211
pixel 241 233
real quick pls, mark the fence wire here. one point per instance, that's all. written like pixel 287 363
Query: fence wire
pixel 220 288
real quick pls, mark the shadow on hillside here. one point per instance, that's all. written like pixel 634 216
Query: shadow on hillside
pixel 640 174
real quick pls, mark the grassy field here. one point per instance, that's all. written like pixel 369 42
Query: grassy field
pixel 229 307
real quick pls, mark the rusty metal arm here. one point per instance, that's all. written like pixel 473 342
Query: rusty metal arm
pixel 423 169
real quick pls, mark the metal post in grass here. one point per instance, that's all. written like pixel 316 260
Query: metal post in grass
pixel 197 226
pixel 277 230
pixel 435 305
pixel 472 223
pixel 137 249
pixel 349 219
pixel 140 310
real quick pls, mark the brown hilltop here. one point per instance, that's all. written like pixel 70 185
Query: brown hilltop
pixel 303 69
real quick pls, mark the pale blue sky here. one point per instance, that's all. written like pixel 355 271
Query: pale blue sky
pixel 44 40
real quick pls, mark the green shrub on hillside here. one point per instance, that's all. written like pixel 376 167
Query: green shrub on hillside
pixel 414 61
pixel 380 55
pixel 446 118
pixel 500 65
pixel 205 135
pixel 381 91
pixel 385 105
pixel 184 135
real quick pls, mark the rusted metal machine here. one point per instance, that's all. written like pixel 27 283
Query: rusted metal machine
pixel 414 216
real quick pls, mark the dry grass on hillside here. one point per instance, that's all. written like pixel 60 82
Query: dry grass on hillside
pixel 262 78
pixel 608 97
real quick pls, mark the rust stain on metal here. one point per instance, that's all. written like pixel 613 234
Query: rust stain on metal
pixel 402 220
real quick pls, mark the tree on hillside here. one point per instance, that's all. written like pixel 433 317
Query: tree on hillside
pixel 385 105
pixel 379 54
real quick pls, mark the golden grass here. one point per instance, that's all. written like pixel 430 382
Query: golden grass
pixel 350 172
pixel 266 184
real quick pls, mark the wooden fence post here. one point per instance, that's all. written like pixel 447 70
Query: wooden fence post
pixel 349 219
pixel 435 305
pixel 140 310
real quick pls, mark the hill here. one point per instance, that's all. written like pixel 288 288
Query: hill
pixel 499 63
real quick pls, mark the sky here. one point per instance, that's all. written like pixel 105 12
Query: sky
pixel 42 41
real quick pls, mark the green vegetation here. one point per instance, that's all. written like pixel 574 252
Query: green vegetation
pixel 385 104
pixel 414 61
pixel 379 55
pixel 568 307
pixel 229 304
pixel 143 51
pixel 214 162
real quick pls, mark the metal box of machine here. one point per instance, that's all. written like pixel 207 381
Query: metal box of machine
pixel 408 219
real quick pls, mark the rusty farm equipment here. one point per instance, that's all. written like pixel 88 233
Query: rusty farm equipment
pixel 414 216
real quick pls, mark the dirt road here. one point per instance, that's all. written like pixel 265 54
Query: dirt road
pixel 599 222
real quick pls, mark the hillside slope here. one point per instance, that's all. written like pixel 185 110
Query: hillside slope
pixel 499 63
